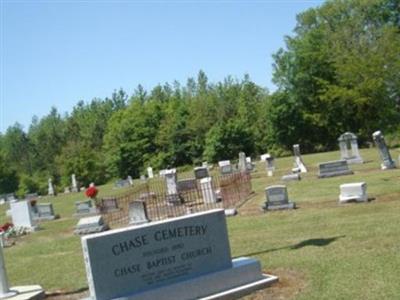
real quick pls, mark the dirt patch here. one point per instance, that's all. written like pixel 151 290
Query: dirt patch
pixel 291 283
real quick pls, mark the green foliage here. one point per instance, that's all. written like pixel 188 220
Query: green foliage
pixel 341 72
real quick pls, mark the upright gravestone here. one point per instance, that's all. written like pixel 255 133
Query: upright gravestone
pixel 249 164
pixel 45 211
pixel 277 198
pixel 207 190
pixel 298 161
pixel 387 162
pixel 349 148
pixel 138 212
pixel 109 205
pixel 181 258
pixel 242 162
pixel 84 208
pixel 185 185
pixel 130 180
pixel 22 216
pixel 201 172
pixel 74 184
pixel 50 190
pixel 172 188
pixel 225 167
pixel 269 165
pixel 150 172
pixel 334 168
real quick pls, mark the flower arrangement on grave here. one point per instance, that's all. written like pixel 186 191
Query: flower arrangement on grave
pixel 5 227
pixel 91 191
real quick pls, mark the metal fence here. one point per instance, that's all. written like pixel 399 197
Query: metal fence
pixel 224 191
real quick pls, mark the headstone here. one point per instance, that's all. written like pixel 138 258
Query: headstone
pixel 334 168
pixel 109 205
pixel 28 292
pixel 225 167
pixel 387 161
pixel 291 177
pixel 353 192
pixel 22 216
pixel 242 162
pixel 172 196
pixel 264 156
pixel 45 211
pixel 50 190
pixel 200 172
pixel 143 178
pixel 85 207
pixel 170 180
pixel 349 148
pixel 162 173
pixel 185 185
pixel 138 213
pixel 74 184
pixel 150 172
pixel 277 198
pixel 121 183
pixel 89 225
pixel 66 190
pixel 298 161
pixel 249 165
pixel 130 180
pixel 204 164
pixel 269 165
pixel 207 190
pixel 181 258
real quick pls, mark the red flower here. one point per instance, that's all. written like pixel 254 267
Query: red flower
pixel 91 192
pixel 6 226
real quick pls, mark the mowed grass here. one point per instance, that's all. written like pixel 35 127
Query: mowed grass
pixel 322 250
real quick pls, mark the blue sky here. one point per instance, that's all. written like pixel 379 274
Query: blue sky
pixel 55 53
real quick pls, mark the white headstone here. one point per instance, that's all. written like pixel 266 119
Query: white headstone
pixel 242 162
pixel 21 214
pixel 150 172
pixel 74 183
pixel 170 179
pixel 353 192
pixel 50 188
pixel 207 190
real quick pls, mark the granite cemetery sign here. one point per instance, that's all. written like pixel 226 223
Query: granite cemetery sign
pixel 349 148
pixel 387 162
pixel 182 258
pixel 334 168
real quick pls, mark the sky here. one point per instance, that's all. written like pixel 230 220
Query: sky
pixel 56 53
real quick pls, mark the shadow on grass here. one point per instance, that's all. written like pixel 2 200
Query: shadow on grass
pixel 322 242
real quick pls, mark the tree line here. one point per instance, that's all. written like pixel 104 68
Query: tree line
pixel 339 71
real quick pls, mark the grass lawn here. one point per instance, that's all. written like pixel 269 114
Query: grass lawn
pixel 322 250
